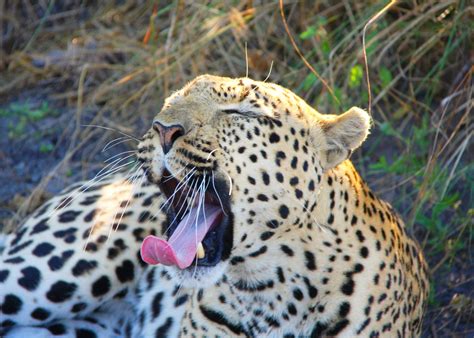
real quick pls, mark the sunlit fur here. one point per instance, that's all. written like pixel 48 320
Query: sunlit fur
pixel 292 182
pixel 313 253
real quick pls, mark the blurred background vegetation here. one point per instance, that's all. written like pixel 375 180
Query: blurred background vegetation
pixel 67 64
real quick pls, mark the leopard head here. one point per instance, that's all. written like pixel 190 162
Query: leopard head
pixel 240 162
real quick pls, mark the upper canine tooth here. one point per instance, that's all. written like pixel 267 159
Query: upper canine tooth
pixel 200 251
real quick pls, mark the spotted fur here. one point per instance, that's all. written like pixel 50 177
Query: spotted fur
pixel 312 251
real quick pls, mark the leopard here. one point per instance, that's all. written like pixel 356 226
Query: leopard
pixel 243 216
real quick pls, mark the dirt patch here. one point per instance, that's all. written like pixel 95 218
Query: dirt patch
pixel 39 154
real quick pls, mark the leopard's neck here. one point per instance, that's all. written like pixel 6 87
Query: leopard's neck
pixel 340 193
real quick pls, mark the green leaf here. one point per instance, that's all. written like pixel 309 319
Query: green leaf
pixel 308 33
pixel 387 129
pixel 385 76
pixel 36 115
pixel 16 129
pixel 446 203
pixel 355 76
pixel 326 47
pixel 337 93
pixel 309 81
pixel 380 165
pixel 432 299
pixel 46 148
pixel 322 20
pixel 371 45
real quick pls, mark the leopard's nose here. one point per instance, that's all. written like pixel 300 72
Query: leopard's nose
pixel 168 134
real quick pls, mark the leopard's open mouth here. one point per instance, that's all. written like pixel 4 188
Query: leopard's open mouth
pixel 200 232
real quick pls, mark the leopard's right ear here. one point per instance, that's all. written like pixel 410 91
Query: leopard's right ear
pixel 344 134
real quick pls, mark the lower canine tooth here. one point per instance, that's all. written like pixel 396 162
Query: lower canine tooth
pixel 200 251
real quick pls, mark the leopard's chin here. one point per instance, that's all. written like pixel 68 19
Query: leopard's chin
pixel 198 277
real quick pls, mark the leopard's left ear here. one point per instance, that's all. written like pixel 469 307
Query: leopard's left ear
pixel 344 134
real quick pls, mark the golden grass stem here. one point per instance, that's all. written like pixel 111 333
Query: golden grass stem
pixel 300 54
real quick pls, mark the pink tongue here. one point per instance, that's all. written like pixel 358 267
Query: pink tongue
pixel 181 248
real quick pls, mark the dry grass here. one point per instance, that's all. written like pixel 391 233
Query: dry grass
pixel 121 61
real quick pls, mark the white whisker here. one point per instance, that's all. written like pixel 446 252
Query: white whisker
pixel 190 190
pixel 209 156
pixel 132 178
pixel 89 184
pixel 112 129
pixel 170 199
pixel 171 176
pixel 115 142
pixel 246 61
pixel 183 204
pixel 121 153
pixel 217 194
pixel 132 192
pixel 269 72
pixel 321 226
pixel 189 206
pixel 183 199
pixel 183 182
pixel 230 183
pixel 200 205
pixel 180 186
pixel 93 226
